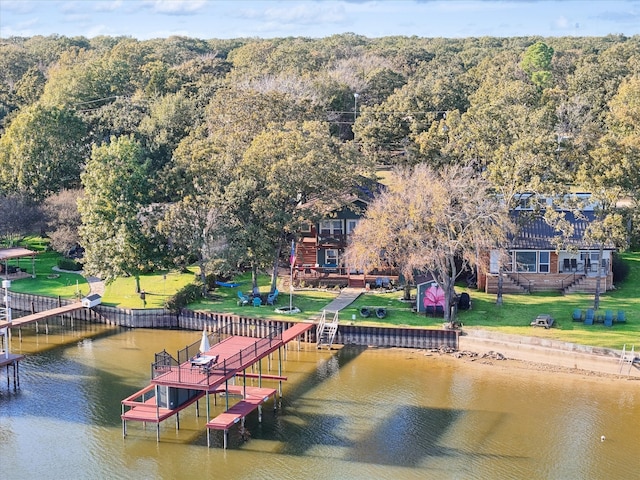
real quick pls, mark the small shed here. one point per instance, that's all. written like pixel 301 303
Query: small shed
pixel 429 294
pixel 91 300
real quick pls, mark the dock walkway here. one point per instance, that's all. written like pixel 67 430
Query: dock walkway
pixel 35 317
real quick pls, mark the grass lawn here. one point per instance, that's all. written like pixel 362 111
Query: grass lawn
pixel 225 300
pixel 47 282
pixel 513 317
pixel 517 311
pixel 158 287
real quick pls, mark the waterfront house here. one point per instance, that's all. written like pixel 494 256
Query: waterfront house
pixel 541 258
pixel 319 253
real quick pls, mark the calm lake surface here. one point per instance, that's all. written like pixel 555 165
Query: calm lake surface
pixel 350 413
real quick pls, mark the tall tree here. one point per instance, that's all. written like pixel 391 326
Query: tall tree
pixel 116 185
pixel 63 219
pixel 429 221
pixel 42 151
pixel 536 62
pixel 288 176
pixel 193 228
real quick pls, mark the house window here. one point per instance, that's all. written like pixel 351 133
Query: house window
pixel 331 227
pixel 331 256
pixel 306 228
pixel 525 261
pixel 544 263
pixel 494 263
pixel 351 225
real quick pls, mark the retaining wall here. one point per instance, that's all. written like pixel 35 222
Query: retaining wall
pixel 190 320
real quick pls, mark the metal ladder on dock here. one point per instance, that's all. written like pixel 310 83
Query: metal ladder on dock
pixel 627 358
pixel 326 331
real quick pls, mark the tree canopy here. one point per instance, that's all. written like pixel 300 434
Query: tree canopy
pixel 227 127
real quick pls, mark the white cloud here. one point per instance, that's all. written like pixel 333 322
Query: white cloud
pixel 562 23
pixel 108 6
pixel 306 14
pixel 18 6
pixel 176 7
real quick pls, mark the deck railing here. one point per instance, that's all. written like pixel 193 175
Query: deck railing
pixel 165 363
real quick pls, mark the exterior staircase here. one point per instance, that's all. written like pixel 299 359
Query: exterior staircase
pixel 326 331
pixel 582 284
pixel 511 285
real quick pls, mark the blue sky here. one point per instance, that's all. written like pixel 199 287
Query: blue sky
pixel 144 19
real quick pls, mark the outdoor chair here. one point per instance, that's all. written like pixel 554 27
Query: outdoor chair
pixel 365 312
pixel 381 312
pixel 608 318
pixel 257 301
pixel 589 317
pixel 244 300
pixel 272 298
pixel 621 318
pixel 577 315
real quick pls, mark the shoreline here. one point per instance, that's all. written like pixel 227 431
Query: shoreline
pixel 530 356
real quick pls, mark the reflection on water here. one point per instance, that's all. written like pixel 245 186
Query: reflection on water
pixel 350 413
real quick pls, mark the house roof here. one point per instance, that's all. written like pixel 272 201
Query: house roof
pixel 363 193
pixel 534 233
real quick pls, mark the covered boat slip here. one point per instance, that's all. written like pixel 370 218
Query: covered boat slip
pixel 178 383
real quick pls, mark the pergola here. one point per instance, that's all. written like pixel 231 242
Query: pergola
pixel 7 254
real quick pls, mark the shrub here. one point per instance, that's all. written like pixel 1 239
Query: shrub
pixel 69 264
pixel 620 269
pixel 183 297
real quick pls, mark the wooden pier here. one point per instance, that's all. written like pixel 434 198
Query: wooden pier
pixel 179 383
pixel 12 360
pixel 35 317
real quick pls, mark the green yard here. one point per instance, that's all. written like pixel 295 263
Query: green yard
pixel 513 317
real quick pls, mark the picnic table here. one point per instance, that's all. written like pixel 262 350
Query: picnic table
pixel 543 320
pixel 204 362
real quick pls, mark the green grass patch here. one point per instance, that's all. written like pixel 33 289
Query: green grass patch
pixel 517 311
pixel 158 287
pixel 225 300
pixel 47 281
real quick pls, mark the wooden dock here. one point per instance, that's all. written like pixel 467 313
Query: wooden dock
pixel 235 354
pixel 35 317
pixel 12 360
pixel 252 399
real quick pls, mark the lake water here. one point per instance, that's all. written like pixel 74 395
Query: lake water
pixel 350 413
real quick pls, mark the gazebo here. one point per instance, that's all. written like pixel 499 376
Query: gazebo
pixel 7 254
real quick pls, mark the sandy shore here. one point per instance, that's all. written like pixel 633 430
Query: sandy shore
pixel 525 353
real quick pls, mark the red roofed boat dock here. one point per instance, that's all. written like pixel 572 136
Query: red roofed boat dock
pixel 179 383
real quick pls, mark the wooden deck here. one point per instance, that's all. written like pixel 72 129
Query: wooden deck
pixel 229 363
pixel 146 409
pixel 235 354
pixel 35 317
pixel 255 396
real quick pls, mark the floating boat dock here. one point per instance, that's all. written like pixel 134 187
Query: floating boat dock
pixel 178 383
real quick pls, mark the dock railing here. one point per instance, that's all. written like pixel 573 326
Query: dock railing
pixel 165 363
